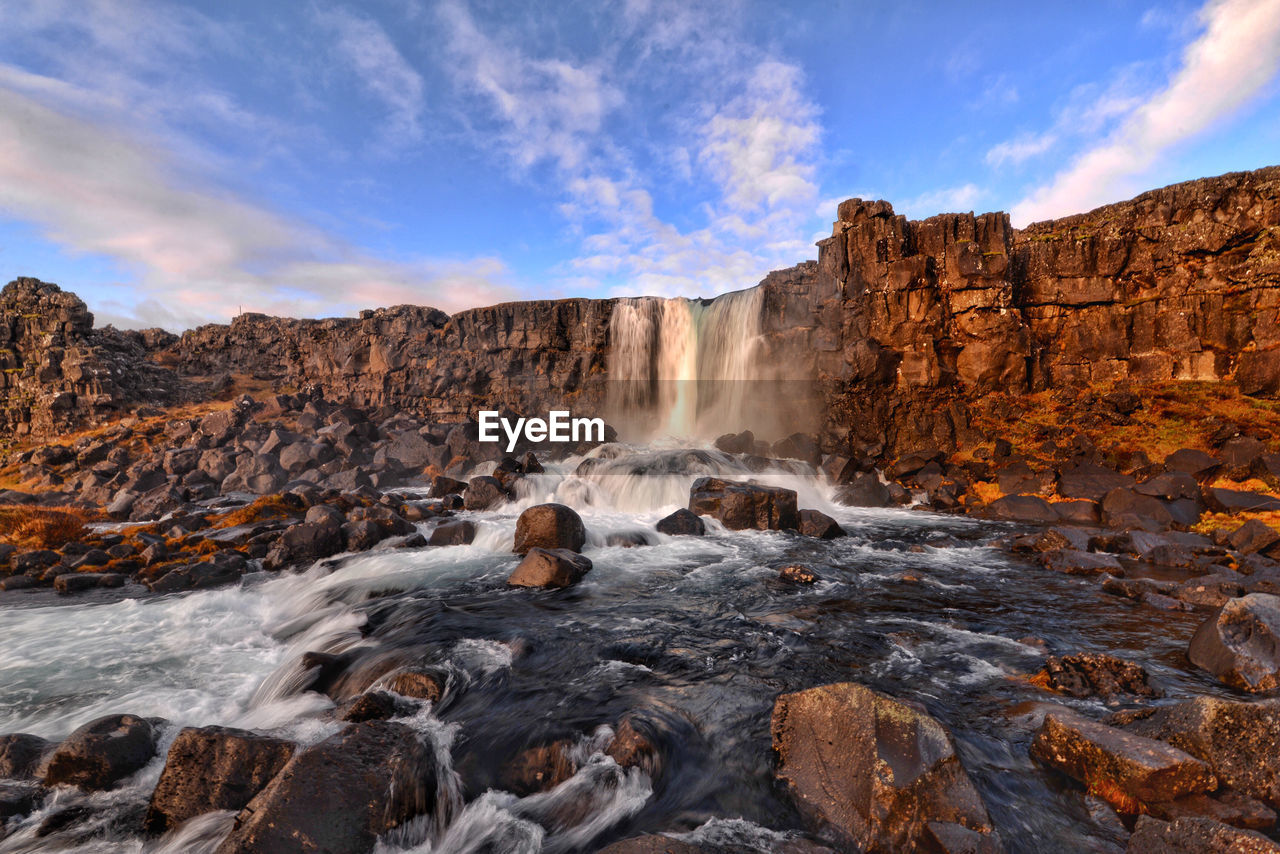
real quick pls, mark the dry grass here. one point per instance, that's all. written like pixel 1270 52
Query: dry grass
pixel 41 527
pixel 267 507
pixel 1210 522
pixel 987 491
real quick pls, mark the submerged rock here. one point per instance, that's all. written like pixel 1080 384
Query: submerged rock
pixel 550 526
pixel 213 768
pixel 1240 643
pixel 341 794
pixel 872 773
pixel 682 522
pixel 814 523
pixel 741 506
pixel 102 752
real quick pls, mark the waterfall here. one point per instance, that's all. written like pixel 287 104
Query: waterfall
pixel 684 368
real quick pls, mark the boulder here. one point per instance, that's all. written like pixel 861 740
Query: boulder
pixel 416 684
pixel 653 843
pixel 1096 674
pixel 1075 562
pixel 458 533
pixel 549 526
pixel 741 506
pixel 340 794
pixel 21 755
pixel 483 493
pixel 18 797
pixel 1127 770
pixel 682 523
pixel 1089 481
pixel 1240 643
pixel 1240 741
pixel 1170 486
pixel 312 541
pixel 814 523
pixel 796 573
pixel 1221 500
pixel 213 768
pixel 737 443
pixel 1198 464
pixel 864 489
pixel 1196 836
pixel 375 705
pixel 1021 508
pixel 869 772
pixel 538 769
pixel 442 486
pixel 1125 508
pixel 549 568
pixel 1254 536
pixel 101 753
pixel 798 446
pixel 409 450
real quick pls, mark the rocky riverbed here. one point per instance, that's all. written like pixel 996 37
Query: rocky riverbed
pixel 290 624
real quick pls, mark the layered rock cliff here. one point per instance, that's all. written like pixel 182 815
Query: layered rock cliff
pixel 902 324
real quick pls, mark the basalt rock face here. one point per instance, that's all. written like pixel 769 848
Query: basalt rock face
pixel 1178 283
pixel 57 372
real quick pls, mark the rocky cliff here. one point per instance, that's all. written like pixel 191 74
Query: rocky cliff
pixel 903 324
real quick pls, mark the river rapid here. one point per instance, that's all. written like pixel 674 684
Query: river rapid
pixel 694 636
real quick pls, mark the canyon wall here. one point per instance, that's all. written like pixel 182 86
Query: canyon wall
pixel 902 325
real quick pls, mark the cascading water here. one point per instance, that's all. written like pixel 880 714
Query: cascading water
pixel 686 368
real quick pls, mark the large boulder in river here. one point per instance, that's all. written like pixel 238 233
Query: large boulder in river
pixel 550 568
pixel 213 768
pixel 102 752
pixel 483 493
pixel 815 523
pixel 1021 508
pixel 341 794
pixel 1239 740
pixel 1126 769
pixel 1196 836
pixel 740 506
pixel 871 773
pixel 550 526
pixel 864 490
pixel 682 523
pixel 1240 643
pixel 21 754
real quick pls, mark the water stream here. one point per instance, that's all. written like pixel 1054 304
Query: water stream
pixel 694 637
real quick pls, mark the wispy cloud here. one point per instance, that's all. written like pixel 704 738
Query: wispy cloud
pixel 383 71
pixel 200 253
pixel 1223 69
pixel 947 200
pixel 1022 148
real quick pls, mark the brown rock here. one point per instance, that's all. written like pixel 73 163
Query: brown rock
pixel 1196 836
pixel 549 526
pixel 538 769
pixel 416 685
pixel 1240 643
pixel 817 524
pixel 550 568
pixel 213 768
pixel 741 506
pixel 1095 674
pixel 870 772
pixel 101 753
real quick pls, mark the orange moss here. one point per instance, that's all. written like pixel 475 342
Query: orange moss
pixel 1210 522
pixel 267 507
pixel 41 527
pixel 987 491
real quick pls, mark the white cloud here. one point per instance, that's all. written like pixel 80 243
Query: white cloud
pixel 383 71
pixel 949 200
pixel 1020 149
pixel 1235 57
pixel 200 253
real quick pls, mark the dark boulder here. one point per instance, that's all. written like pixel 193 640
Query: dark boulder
pixel 741 506
pixel 864 489
pixel 484 493
pixel 21 755
pixel 1198 464
pixel 682 522
pixel 1240 643
pixel 737 443
pixel 1075 562
pixel 549 568
pixel 1125 508
pixel 1089 481
pixel 101 753
pixel 869 772
pixel 1254 536
pixel 1196 836
pixel 213 768
pixel 798 446
pixel 341 794
pixel 1170 486
pixel 1096 674
pixel 19 797
pixel 442 486
pixel 549 526
pixel 457 533
pixel 1021 508
pixel 814 523
pixel 1221 500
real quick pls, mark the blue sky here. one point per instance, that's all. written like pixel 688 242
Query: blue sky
pixel 177 163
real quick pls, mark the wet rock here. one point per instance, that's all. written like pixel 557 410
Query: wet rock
pixel 1240 643
pixel 21 754
pixel 549 526
pixel 550 568
pixel 376 706
pixel 341 794
pixel 101 753
pixel 1227 806
pixel 870 772
pixel 213 768
pixel 1239 740
pixel 632 747
pixel 1021 508
pixel 1096 674
pixel 538 769
pixel 312 541
pixel 654 843
pixel 1127 770
pixel 483 493
pixel 362 535
pixel 1074 562
pixel 864 490
pixel 798 446
pixel 797 574
pixel 442 486
pixel 814 523
pixel 741 506
pixel 416 684
pixel 737 443
pixel 1196 836
pixel 459 533
pixel 1211 591
pixel 75 582
pixel 682 523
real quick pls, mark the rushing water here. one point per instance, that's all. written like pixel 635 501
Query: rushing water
pixel 693 637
